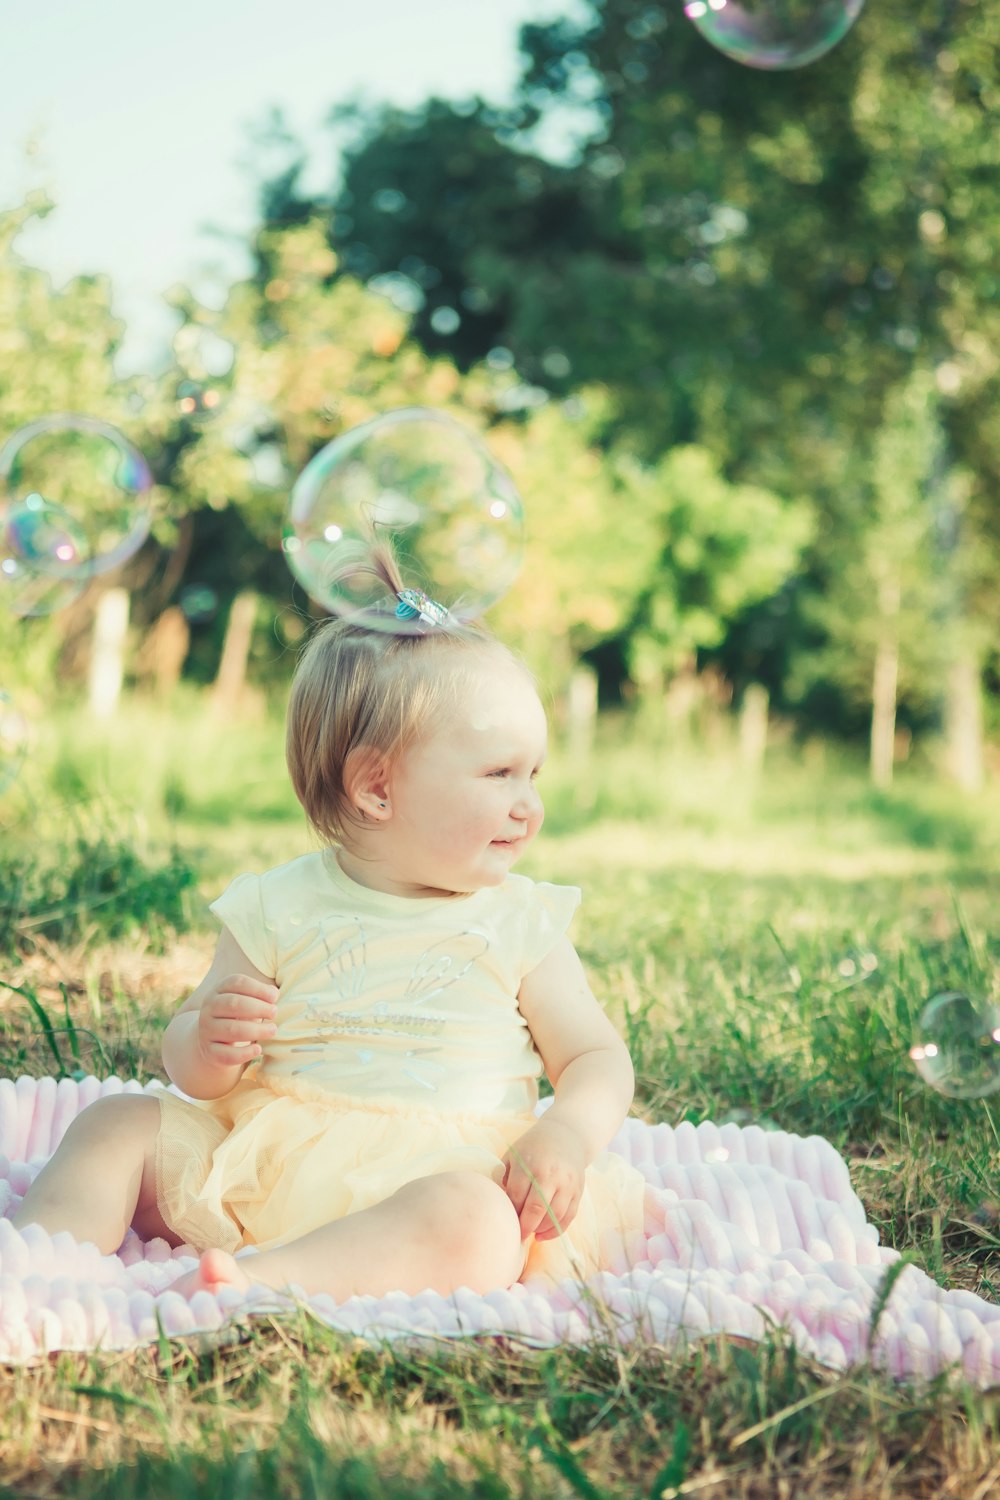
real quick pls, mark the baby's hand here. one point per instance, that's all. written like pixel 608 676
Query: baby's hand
pixel 234 1019
pixel 543 1178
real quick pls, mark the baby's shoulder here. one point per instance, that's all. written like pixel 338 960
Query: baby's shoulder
pixel 522 900
pixel 296 885
pixel 304 869
pixel 521 890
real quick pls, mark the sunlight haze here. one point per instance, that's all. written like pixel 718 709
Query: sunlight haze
pixel 138 121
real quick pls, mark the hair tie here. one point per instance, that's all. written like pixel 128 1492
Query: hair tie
pixel 414 604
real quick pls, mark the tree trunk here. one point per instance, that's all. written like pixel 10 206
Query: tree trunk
pixel 581 711
pixel 232 674
pixel 883 732
pixel 107 652
pixel 964 722
pixel 163 653
pixel 753 727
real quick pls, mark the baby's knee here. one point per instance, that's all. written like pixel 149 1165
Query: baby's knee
pixel 483 1228
pixel 115 1119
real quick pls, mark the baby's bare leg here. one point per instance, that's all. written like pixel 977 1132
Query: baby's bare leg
pixel 455 1229
pixel 102 1177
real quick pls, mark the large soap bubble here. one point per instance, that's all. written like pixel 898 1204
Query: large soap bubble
pixel 74 503
pixel 430 487
pixel 956 1046
pixel 773 33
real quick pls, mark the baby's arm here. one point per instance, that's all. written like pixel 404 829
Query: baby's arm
pixel 591 1075
pixel 218 1029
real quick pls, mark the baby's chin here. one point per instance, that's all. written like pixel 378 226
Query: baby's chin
pixel 485 880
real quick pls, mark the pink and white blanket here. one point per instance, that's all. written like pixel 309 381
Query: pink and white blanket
pixel 746 1230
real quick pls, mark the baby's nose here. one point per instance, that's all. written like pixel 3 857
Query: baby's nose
pixel 527 806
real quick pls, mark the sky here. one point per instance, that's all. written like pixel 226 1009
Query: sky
pixel 137 119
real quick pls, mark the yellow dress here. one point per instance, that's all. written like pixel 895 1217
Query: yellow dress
pixel 400 1052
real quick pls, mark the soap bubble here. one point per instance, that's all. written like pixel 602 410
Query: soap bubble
pixel 430 487
pixel 196 399
pixel 773 33
pixel 41 546
pixel 956 1046
pixel 199 603
pixel 14 736
pixel 74 503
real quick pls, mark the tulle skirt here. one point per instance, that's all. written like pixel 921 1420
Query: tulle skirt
pixel 261 1168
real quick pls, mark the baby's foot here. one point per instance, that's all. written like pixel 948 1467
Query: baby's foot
pixel 216 1269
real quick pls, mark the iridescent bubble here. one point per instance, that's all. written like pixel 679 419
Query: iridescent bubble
pixel 74 503
pixel 40 547
pixel 42 535
pixel 773 33
pixel 956 1046
pixel 14 735
pixel 430 487
pixel 199 603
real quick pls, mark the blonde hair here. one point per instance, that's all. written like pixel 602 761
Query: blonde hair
pixel 359 690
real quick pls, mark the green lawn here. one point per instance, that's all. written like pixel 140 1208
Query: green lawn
pixel 767 950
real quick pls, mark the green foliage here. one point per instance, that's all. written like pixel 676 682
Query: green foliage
pixel 95 882
pixel 753 262
pixel 697 341
pixel 725 547
pixel 897 583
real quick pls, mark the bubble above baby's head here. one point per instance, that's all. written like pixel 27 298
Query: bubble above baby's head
pixel 773 34
pixel 427 486
pixel 74 503
pixel 956 1046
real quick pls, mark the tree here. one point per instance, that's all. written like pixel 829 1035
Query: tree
pixel 753 262
pixel 892 606
pixel 57 349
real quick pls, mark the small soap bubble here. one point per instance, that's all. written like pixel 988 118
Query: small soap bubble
pixel 427 485
pixel 197 399
pixel 74 503
pixel 857 964
pixel 42 535
pixel 956 1046
pixel 41 547
pixel 199 603
pixel 14 736
pixel 773 34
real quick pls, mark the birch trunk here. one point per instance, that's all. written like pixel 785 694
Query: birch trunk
pixel 964 723
pixel 883 733
pixel 232 674
pixel 107 652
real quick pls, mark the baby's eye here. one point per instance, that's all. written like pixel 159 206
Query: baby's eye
pixel 500 772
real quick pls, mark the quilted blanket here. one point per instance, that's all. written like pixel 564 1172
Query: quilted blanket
pixel 746 1230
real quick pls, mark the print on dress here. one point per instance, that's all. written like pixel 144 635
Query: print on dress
pixel 339 1014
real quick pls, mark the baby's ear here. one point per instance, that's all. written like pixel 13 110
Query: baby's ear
pixel 366 782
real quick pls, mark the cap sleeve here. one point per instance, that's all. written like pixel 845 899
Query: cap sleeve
pixel 549 909
pixel 241 909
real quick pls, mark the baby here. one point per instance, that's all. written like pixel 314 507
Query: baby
pixel 362 1058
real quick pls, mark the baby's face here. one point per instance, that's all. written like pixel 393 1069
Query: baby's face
pixel 463 801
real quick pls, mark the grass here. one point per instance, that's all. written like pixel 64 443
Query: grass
pixel 766 948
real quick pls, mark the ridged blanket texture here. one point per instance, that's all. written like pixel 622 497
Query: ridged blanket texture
pixel 746 1230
